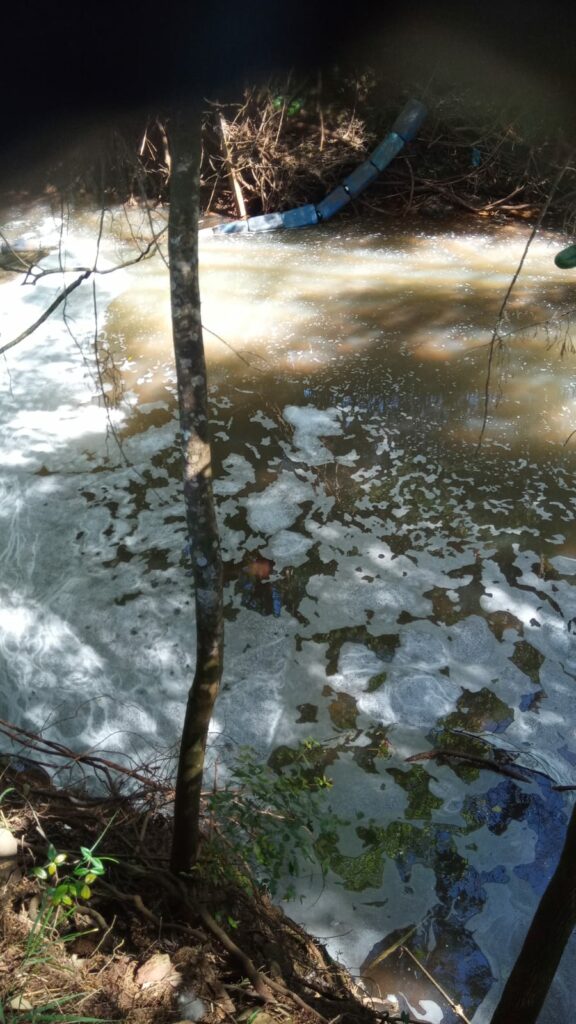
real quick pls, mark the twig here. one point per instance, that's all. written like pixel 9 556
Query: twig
pixel 35 742
pixel 142 255
pixel 111 428
pixel 522 774
pixel 47 312
pixel 412 184
pixel 283 990
pixel 11 251
pixel 97 918
pixel 86 272
pixel 320 111
pixel 240 204
pixel 235 351
pixel 455 1006
pixel 167 154
pixel 138 902
pixel 496 336
pixel 261 985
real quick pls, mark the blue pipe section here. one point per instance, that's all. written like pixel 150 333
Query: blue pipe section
pixel 403 130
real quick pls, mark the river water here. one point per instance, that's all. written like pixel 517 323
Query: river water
pixel 390 588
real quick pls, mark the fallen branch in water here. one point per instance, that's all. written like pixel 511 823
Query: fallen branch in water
pixel 454 1006
pixel 522 773
pixel 478 762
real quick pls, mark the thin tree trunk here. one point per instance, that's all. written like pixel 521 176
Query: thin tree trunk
pixel 552 925
pixel 184 138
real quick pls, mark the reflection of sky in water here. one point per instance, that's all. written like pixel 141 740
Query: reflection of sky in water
pixel 388 589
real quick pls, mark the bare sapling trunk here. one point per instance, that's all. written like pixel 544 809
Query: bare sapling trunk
pixel 200 513
pixel 552 925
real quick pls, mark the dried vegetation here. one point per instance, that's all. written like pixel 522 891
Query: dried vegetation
pixel 290 142
pixel 143 947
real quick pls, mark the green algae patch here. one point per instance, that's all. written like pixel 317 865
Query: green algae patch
pixel 382 646
pixel 343 711
pixel 528 660
pixel 378 748
pixel 479 711
pixel 308 713
pixel 364 871
pixel 416 782
pixel 375 682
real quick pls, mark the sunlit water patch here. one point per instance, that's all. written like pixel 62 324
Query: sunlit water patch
pixel 391 591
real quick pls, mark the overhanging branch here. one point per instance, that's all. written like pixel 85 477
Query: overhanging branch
pixel 85 273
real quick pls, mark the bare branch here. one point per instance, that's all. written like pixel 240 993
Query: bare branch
pixel 497 338
pixel 41 272
pixel 85 273
pixel 47 312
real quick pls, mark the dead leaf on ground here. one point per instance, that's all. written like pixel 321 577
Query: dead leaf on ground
pixel 157 969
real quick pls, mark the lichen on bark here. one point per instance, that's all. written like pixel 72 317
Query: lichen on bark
pixel 197 473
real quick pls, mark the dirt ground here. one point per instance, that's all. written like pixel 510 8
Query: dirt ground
pixel 144 947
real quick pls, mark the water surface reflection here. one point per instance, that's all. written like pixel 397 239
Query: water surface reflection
pixel 390 590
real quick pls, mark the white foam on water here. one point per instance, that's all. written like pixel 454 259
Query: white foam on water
pixel 96 612
pixel 278 506
pixel 415 700
pixel 288 548
pixel 311 424
pixel 239 472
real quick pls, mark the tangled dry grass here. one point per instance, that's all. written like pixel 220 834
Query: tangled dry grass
pixel 284 148
pixel 291 142
pixel 144 947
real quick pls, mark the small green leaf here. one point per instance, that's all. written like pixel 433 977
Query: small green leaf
pixel 61 891
pixel 295 107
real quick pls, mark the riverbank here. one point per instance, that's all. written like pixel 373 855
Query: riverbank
pixel 291 141
pixel 94 927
